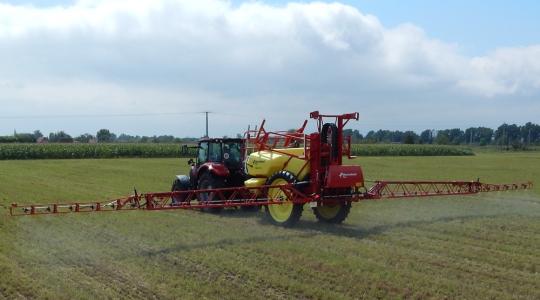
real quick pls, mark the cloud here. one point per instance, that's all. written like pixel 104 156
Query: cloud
pixel 208 54
pixel 505 71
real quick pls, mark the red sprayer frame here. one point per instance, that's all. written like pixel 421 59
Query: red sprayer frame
pixel 325 184
pixel 257 196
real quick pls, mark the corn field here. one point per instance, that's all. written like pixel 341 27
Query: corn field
pixel 408 150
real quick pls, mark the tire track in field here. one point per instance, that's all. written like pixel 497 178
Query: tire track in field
pixel 456 261
pixel 130 248
pixel 75 255
pixel 453 269
pixel 466 252
pixel 497 246
pixel 390 237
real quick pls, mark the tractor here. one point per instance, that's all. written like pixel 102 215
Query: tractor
pixel 218 164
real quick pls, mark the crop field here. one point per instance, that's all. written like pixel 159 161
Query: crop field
pixel 163 150
pixel 409 150
pixel 474 247
pixel 114 150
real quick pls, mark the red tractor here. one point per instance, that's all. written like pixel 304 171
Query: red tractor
pixel 219 164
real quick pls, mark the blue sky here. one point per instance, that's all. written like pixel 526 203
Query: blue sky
pixel 477 26
pixel 402 64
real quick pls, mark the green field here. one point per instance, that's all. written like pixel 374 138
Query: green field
pixel 409 150
pixel 482 246
pixel 163 150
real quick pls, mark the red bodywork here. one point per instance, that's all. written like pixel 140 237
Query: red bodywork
pixel 215 168
pixel 344 176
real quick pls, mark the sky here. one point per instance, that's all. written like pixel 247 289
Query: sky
pixel 152 67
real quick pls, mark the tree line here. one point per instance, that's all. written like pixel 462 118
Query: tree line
pixel 506 134
pixel 102 136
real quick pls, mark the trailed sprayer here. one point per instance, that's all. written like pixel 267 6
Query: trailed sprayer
pixel 281 171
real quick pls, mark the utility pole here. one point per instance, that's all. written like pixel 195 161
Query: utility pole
pixel 206 112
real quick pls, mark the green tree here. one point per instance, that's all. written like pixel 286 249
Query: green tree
pixel 60 137
pixel 410 137
pixel 105 136
pixel 25 138
pixel 426 137
pixel 442 137
pixel 37 134
pixel 530 133
pixel 84 138
pixel 508 135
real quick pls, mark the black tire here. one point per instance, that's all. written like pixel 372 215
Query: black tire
pixel 334 214
pixel 180 184
pixel 329 136
pixel 209 181
pixel 250 208
pixel 291 212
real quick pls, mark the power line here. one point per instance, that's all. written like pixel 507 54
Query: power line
pixel 121 115
pixel 117 115
pixel 94 115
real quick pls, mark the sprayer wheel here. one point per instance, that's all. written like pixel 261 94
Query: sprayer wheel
pixel 332 213
pixel 285 214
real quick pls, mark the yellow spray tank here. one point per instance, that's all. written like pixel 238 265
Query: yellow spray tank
pixel 262 164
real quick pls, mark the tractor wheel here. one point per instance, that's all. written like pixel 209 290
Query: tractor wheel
pixel 209 181
pixel 332 213
pixel 180 184
pixel 287 213
pixel 329 136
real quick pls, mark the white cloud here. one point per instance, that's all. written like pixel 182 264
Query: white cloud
pixel 505 71
pixel 129 54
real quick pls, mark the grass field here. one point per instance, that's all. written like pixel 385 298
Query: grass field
pixel 484 246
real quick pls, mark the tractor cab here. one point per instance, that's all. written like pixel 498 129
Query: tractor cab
pixel 220 159
pixel 221 151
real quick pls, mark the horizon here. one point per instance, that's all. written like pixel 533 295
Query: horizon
pixel 364 134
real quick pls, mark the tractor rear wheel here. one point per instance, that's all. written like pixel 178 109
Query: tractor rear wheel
pixel 286 213
pixel 332 213
pixel 209 181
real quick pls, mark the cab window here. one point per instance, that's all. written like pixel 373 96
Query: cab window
pixel 231 153
pixel 203 153
pixel 214 152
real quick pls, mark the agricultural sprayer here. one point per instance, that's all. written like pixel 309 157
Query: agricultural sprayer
pixel 281 171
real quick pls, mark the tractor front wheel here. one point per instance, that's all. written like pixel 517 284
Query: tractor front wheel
pixel 284 213
pixel 181 183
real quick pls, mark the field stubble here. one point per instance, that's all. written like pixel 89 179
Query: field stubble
pixel 482 246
